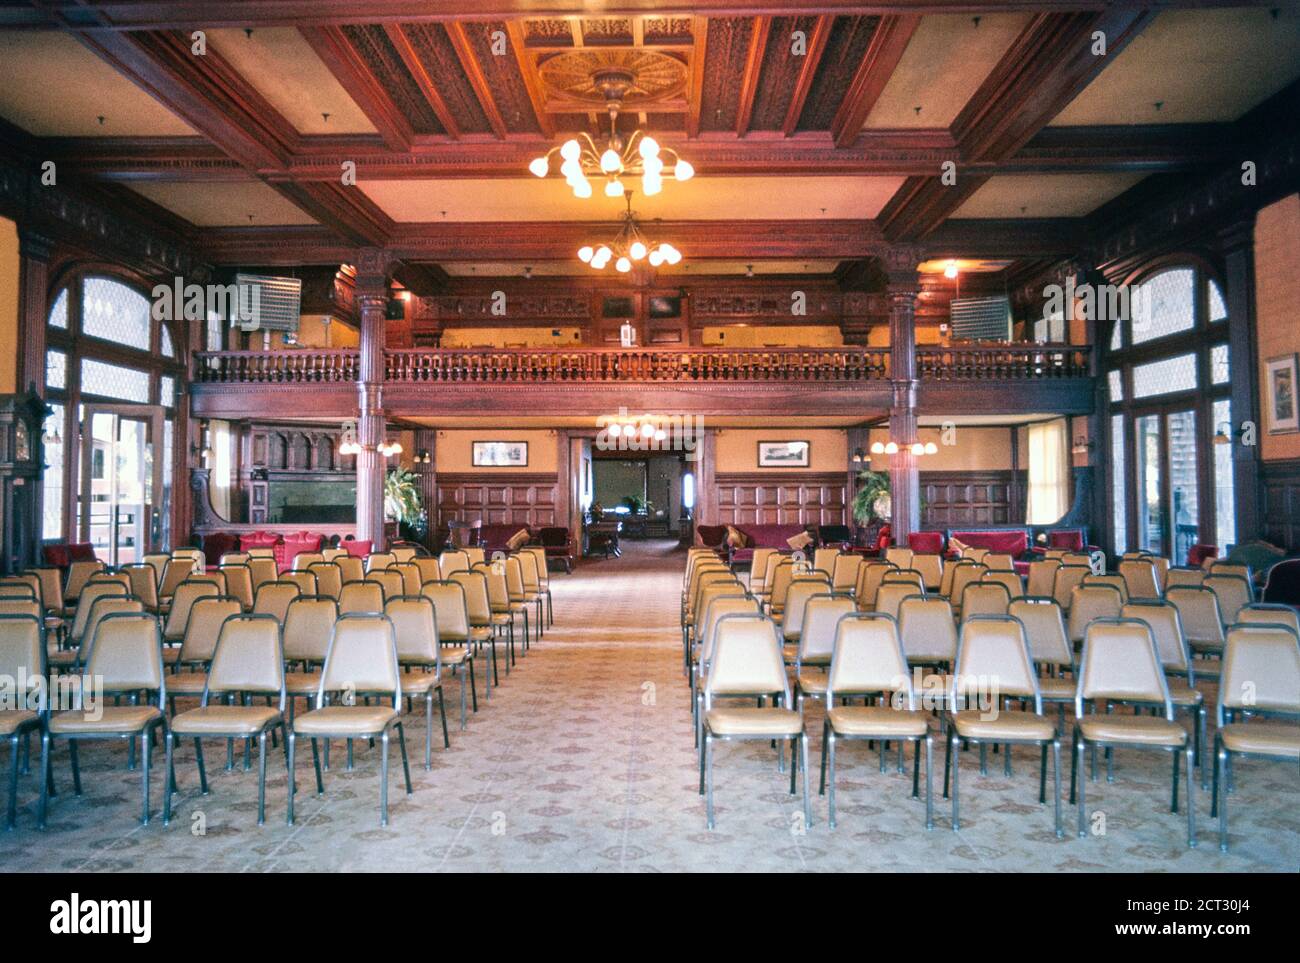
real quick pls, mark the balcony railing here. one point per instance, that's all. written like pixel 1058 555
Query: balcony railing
pixel 614 365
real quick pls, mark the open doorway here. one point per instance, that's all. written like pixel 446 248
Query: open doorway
pixel 648 494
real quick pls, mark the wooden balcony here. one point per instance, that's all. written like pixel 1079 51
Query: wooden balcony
pixel 822 381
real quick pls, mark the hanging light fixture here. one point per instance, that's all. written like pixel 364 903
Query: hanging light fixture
pixel 915 447
pixel 628 246
pixel 584 160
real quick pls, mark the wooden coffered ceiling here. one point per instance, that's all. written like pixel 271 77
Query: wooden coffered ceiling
pixel 818 131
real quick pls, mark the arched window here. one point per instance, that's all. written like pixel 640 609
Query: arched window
pixel 1167 374
pixel 111 374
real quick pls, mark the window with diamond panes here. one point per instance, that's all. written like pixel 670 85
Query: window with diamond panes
pixel 1218 309
pixel 59 312
pixel 1220 372
pixel 1164 305
pixel 114 381
pixel 1116 380
pixel 56 369
pixel 114 312
pixel 1165 377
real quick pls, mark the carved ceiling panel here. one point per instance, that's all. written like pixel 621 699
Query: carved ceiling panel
pixel 726 53
pixel 570 78
pixel 503 75
pixel 846 46
pixel 440 61
pixel 376 50
pixel 781 67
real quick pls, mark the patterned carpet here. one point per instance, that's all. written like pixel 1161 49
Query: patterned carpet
pixel 583 761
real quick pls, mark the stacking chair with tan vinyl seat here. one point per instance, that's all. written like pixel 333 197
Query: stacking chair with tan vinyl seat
pixel 1270 613
pixel 1066 579
pixel 503 616
pixel 963 575
pixel 999 562
pixel 51 581
pixel 376 561
pixel 239 584
pixel 1260 676
pixel 1088 602
pixel 247 661
pixel 475 554
pixel 13 588
pixel 1233 591
pixel 194 555
pixel 909 576
pixel 779 586
pixel 202 629
pixel 455 635
pixel 812 657
pixel 74 660
pixel 351 568
pixel 898 556
pixel 79 573
pixel 80 617
pixel 303 561
pixel 262 570
pixel 769 559
pixel 926 631
pixel 802 588
pixel 1120 664
pixel 305 581
pixel 390 580
pixel 420 656
pixel 119 578
pixel 528 570
pixel 891 596
pixel 747 664
pixel 367 595
pixel 1167 631
pixel 1181 575
pixel 412 580
pixel 334 554
pixel 1139 575
pixel 1041 580
pixel 125 658
pixel 930 568
pixel 984 597
pixel 824 560
pixel 995 647
pixel 1115 581
pixel 25 605
pixel 22 656
pixel 520 600
pixel 159 562
pixel 1224 567
pixel 187 593
pixel 1015 585
pixel 844 573
pixel 1050 649
pixel 449 562
pixel 274 598
pixel 736 603
pixel 867 661
pixel 973 554
pixel 403 553
pixel 430 571
pixel 482 623
pixel 329 579
pixel 709 591
pixel 233 558
pixel 361 661
pixel 308 624
pixel 1198 609
pixel 143 584
pixel 538 554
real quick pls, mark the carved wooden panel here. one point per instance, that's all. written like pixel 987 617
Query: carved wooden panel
pixel 514 498
pixel 548 33
pixel 504 77
pixel 756 498
pixel 438 56
pixel 374 47
pixel 1280 509
pixel 959 499
pixel 724 64
pixel 667 30
pixel 846 45
pixel 781 67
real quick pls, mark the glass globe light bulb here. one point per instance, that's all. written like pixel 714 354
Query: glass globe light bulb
pixel 649 148
pixel 651 185
pixel 540 166
pixel 878 448
pixel 647 430
pixel 683 170
pixel 637 250
pixel 571 150
pixel 582 189
pixel 673 255
pixel 918 449
pixel 610 161
pixel 891 449
pixel 623 265
pixel 615 430
pixel 585 254
pixel 931 448
pixel 614 188
pixel 656 258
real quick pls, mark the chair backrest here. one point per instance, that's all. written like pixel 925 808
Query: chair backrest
pixel 143 583
pixel 984 598
pixel 779 587
pixel 22 652
pixel 362 658
pixel 1139 575
pixel 993 648
pixel 871 573
pixel 126 654
pixel 718 607
pixel 1117 581
pixel 1183 575
pixel 498 592
pixel 1082 558
pixel 430 571
pixel 411 577
pixel 379 560
pixel 452 610
pixel 1066 579
pixel 707 581
pixel 329 579
pixel 900 556
pixel 239 583
pixel 774 559
pixel 79 573
pixel 891 594
pixel 528 568
pixel 758 568
pixel 1041 580
pixel 159 562
pixel 308 624
pixel 234 558
pixel 1010 580
pixel 930 568
pixel 1162 570
pixel 390 580
pixel 51 580
pixel 361 597
pixel 204 627
pixel 961 577
pixel 1120 663
pixel 539 560
pixel 974 554
pixel 450 562
pixel 303 561
pixel 263 570
pixel 868 658
pixel 85 602
pixel 1231 568
pixel 796 600
pixel 746 660
pixel 475 554
pixel 1198 608
pixel 105 606
pixel 195 556
pixel 1166 629
pixel 514 577
pixel 416 627
pixel 1270 613
pixel 709 591
pixel 999 562
pixel 844 573
pixel 249 657
pixel 1261 670
pixel 24 605
pixel 1233 591
pixel 926 629
pixel 265 551
pixel 478 603
pixel 824 560
pixel 821 615
pixel 333 554
pixel 1044 630
pixel 14 588
pixel 403 553
pixel 1088 602
pixel 351 568
pixel 305 581
pixel 274 598
pixel 99 578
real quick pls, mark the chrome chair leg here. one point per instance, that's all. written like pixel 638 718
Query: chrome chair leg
pixel 1056 782
pixel 807 803
pixel 956 768
pixel 289 740
pixel 261 777
pixel 383 778
pixel 828 758
pixel 929 781
pixel 1191 797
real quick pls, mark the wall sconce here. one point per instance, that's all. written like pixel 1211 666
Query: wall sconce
pixel 422 457
pixel 348 444
pixel 859 456
pixel 1223 434
pixel 917 448
pixel 388 449
pixel 1082 446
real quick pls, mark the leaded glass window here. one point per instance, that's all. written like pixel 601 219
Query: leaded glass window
pixel 1164 305
pixel 114 312
pixel 114 381
pixel 1165 377
pixel 56 369
pixel 59 312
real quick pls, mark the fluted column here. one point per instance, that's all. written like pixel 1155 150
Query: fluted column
pixel 33 310
pixel 372 301
pixel 904 475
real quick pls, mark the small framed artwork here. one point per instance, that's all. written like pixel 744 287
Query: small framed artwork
pixel 783 454
pixel 1283 406
pixel 500 454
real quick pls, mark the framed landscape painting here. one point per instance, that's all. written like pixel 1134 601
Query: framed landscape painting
pixel 1280 390
pixel 783 454
pixel 500 454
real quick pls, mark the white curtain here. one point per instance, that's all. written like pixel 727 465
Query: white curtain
pixel 1049 473
pixel 219 476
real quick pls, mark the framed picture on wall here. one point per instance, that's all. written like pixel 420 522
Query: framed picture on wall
pixel 500 454
pixel 783 454
pixel 1283 406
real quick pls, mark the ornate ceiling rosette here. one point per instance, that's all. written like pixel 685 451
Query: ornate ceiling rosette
pixel 591 78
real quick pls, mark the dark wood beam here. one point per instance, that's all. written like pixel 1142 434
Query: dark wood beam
pixel 346 210
pixel 811 61
pixel 883 54
pixel 532 83
pixel 332 46
pixel 700 34
pixel 423 280
pixel 753 70
pixel 474 73
pixel 402 44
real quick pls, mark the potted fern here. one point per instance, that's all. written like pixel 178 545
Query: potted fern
pixel 872 503
pixel 402 503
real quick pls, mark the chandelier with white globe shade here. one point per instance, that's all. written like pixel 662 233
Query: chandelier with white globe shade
pixel 628 246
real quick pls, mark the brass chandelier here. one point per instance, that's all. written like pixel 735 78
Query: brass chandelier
pixel 628 246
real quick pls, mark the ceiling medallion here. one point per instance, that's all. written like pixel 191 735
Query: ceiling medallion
pixel 615 79
pixel 629 245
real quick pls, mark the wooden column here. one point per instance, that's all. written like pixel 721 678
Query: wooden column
pixel 904 476
pixel 1239 294
pixel 33 310
pixel 856 438
pixel 372 302
pixel 706 490
pixel 426 439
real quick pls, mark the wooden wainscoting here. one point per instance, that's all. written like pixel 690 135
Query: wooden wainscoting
pixel 1280 509
pixel 976 499
pixel 761 498
pixel 516 498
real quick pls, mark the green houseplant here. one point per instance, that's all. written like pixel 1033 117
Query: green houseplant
pixel 870 504
pixel 402 501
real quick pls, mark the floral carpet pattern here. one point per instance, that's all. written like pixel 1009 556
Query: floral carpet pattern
pixel 583 760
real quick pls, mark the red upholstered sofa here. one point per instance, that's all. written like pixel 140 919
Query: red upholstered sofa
pixel 493 538
pixel 1013 541
pixel 927 543
pixel 764 536
pixel 284 546
pixel 64 554
pixel 1197 554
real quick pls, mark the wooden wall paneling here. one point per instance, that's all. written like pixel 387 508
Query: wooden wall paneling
pixel 978 499
pixel 514 498
pixel 1280 505
pixel 758 498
